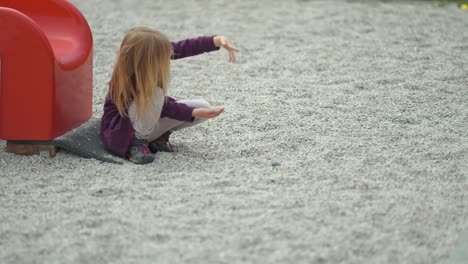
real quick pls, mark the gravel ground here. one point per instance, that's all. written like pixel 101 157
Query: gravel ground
pixel 345 140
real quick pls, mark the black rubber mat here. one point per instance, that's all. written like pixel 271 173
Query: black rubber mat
pixel 83 141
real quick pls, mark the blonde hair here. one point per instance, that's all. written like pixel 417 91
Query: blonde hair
pixel 142 65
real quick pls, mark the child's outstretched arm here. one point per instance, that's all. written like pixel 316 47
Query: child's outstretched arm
pixel 195 46
pixel 192 47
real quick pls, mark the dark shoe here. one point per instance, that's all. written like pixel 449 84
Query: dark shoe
pixel 161 144
pixel 140 154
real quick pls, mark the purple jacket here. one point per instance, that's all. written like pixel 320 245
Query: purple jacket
pixel 117 133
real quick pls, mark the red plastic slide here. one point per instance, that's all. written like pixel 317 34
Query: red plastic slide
pixel 46 69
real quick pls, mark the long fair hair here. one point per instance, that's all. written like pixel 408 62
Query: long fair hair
pixel 141 67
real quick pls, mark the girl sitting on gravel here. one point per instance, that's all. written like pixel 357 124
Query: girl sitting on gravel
pixel 138 116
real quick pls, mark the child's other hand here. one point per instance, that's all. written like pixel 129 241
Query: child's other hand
pixel 206 112
pixel 223 41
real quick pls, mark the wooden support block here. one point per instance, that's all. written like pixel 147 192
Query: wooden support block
pixel 31 149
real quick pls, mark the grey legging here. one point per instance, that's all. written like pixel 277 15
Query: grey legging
pixel 151 126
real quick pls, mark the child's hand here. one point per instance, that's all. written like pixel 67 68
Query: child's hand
pixel 223 41
pixel 207 113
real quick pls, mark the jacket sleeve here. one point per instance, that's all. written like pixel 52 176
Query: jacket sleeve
pixel 175 110
pixel 116 131
pixel 192 47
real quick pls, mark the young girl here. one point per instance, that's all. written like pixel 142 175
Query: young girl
pixel 138 116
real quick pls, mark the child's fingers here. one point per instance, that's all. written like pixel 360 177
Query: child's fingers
pixel 231 55
pixel 227 45
pixel 232 58
pixel 233 48
pixel 230 46
pixel 217 112
pixel 207 112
